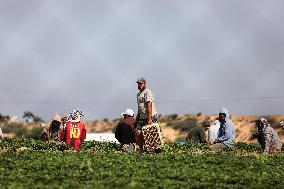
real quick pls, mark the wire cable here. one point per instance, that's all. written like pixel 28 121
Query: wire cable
pixel 126 102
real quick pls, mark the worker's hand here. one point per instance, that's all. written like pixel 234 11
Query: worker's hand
pixel 137 132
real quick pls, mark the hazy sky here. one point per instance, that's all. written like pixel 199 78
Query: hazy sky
pixel 87 54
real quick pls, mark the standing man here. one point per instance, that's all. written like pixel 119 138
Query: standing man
pixel 75 132
pixel 226 134
pixel 125 130
pixel 147 113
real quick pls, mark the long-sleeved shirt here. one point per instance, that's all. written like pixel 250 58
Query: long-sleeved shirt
pixel 75 134
pixel 271 141
pixel 226 134
pixel 125 131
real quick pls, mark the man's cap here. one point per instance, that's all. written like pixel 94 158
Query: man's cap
pixel 141 80
pixel 281 123
pixel 128 112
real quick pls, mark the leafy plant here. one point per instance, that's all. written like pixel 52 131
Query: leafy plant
pixel 35 133
pixel 101 165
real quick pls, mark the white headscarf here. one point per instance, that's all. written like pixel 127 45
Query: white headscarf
pixel 75 114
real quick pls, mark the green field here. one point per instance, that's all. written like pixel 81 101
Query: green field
pixel 100 165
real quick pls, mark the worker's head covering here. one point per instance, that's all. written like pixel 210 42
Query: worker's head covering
pixel 56 117
pixel 225 111
pixel 206 123
pixel 75 114
pixel 128 112
pixel 262 123
pixel 141 80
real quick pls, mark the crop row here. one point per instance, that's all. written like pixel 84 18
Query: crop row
pixel 31 144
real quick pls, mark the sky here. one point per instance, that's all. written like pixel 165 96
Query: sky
pixel 197 56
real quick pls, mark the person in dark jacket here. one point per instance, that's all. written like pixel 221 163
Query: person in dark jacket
pixel 125 129
pixel 197 134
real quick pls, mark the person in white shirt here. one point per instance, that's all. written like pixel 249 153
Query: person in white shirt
pixel 213 131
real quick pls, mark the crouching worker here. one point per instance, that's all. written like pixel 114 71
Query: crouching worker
pixel 75 131
pixel 54 128
pixel 45 134
pixel 226 133
pixel 125 131
pixel 268 137
pixel 1 135
pixel 197 134
pixel 63 128
pixel 282 124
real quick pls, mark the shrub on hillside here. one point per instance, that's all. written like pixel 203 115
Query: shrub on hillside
pixel 21 131
pixel 174 116
pixel 4 118
pixel 12 127
pixel 185 125
pixel 114 129
pixel 181 140
pixel 35 133
pixel 272 120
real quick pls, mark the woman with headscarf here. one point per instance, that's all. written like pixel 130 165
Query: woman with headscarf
pixel 226 133
pixel 75 131
pixel 54 128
